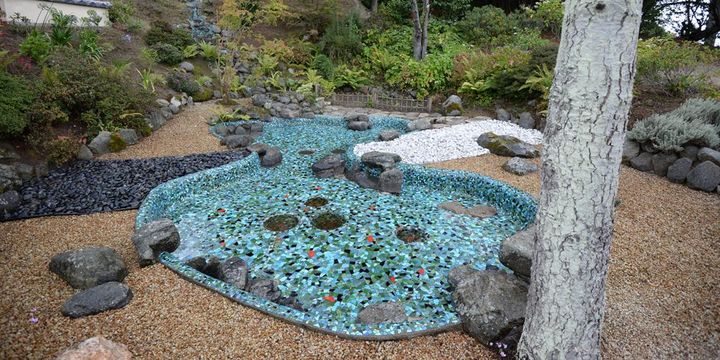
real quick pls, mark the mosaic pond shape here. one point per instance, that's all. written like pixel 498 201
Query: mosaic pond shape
pixel 335 273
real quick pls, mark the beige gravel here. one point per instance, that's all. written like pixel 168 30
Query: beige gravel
pixel 662 286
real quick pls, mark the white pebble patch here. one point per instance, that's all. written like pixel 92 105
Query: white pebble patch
pixel 452 142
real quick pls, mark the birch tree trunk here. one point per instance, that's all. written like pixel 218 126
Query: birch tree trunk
pixel 426 21
pixel 588 111
pixel 374 6
pixel 417 31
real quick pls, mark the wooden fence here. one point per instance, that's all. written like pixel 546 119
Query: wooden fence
pixel 382 102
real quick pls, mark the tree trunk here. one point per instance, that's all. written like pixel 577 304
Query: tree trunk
pixel 426 21
pixel 417 33
pixel 374 6
pixel 588 111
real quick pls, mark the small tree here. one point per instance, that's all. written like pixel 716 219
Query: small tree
pixel 420 25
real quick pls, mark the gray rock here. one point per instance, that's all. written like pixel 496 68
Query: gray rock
pixel 99 145
pixel 9 178
pixel 387 312
pixel 631 149
pixel 642 162
pixel 174 108
pixel 362 179
pixel 234 271
pixel 84 153
pixel 455 113
pixel 419 125
pixel 330 166
pixel 130 136
pixel 678 171
pixel 265 288
pixel 284 99
pixel 272 157
pixel 690 152
pixel 238 141
pixel 104 297
pixel 154 238
pixel 9 201
pixel 187 66
pixel 516 252
pixel 42 170
pixel 390 181
pixel 505 145
pixel 24 171
pixel 520 166
pixel 382 160
pixel 705 176
pixel 260 99
pixel 162 102
pixel 166 113
pixel 480 211
pixel 503 115
pixel 258 148
pixel 88 267
pixel 708 154
pixel 7 153
pixel 156 119
pixel 96 348
pixel 526 121
pixel 357 117
pixel 661 162
pixel 453 102
pixel 387 135
pixel 460 274
pixel 648 147
pixel 210 266
pixel 359 125
pixel 490 303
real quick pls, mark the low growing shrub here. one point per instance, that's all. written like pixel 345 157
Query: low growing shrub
pixel 183 82
pixel 61 150
pixel 116 143
pixel 168 54
pixel 14 103
pixel 342 39
pixel 37 46
pixel 162 32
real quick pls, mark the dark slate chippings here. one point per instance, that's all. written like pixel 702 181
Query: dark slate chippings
pixel 333 274
pixel 87 187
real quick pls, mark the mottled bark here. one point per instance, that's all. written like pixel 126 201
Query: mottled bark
pixel 420 28
pixel 588 111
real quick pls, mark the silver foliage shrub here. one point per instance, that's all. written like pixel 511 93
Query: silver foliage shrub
pixel 697 121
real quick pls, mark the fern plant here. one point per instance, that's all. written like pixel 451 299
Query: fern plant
pixel 191 51
pixel 209 51
pixel 540 81
pixel 348 77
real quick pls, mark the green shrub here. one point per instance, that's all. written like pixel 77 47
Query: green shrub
pixel 695 122
pixel 483 24
pixel 396 11
pixel 116 143
pixel 205 94
pixel 62 28
pixel 162 32
pixel 342 39
pixel 89 46
pixel 323 65
pixel 168 54
pixel 121 12
pixel 61 150
pixel 350 77
pixel 14 103
pixel 183 82
pixel 37 46
pixel 548 13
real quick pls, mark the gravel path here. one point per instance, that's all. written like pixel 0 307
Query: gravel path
pixel 452 142
pixel 662 289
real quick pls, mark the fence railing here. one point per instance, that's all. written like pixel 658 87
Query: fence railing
pixel 382 102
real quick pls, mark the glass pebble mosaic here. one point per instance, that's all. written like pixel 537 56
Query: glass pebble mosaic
pixel 335 273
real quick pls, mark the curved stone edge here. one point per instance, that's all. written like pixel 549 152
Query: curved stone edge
pixel 292 316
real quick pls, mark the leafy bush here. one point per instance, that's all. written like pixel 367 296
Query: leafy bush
pixel 396 11
pixel 16 99
pixel 183 82
pixel 116 143
pixel 60 150
pixel 548 13
pixel 121 12
pixel 349 77
pixel 37 46
pixel 61 30
pixel 426 76
pixel 162 32
pixel 695 122
pixel 485 23
pixel 168 54
pixel 323 65
pixel 209 51
pixel 89 46
pixel 204 94
pixel 342 39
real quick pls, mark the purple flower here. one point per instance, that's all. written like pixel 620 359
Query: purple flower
pixel 502 354
pixel 504 346
pixel 33 320
pixel 33 309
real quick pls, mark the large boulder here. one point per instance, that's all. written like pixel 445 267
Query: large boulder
pixel 330 166
pixel 505 145
pixel 490 303
pixel 386 312
pixel 380 160
pixel 107 296
pixel 452 105
pixel 96 348
pixel 390 181
pixel 359 125
pixel 460 274
pixel 677 172
pixel 153 238
pixel 234 271
pixel 24 171
pixel 88 267
pixel 101 143
pixel 420 124
pixel 516 252
pixel 631 149
pixel 661 162
pixel 642 162
pixel 705 176
pixel 9 178
pixel 708 154
pixel 520 166
pixel 84 153
pixel 271 157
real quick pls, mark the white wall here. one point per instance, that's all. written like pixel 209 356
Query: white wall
pixel 31 10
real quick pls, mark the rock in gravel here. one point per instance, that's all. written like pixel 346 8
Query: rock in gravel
pixel 661 162
pixel 24 171
pixel 272 157
pixel 162 102
pixel 9 178
pixel 678 171
pixel 387 135
pixel 386 312
pixel 520 166
pixel 330 166
pixel 490 303
pixel 451 104
pixel 690 152
pixel 265 288
pixel 234 271
pixel 642 162
pixel 708 154
pixel 88 267
pixel 631 149
pixel 460 274
pixel 104 297
pixel 419 125
pixel 381 160
pixel 516 252
pixel 258 148
pixel 189 67
pixel 130 136
pixel 156 119
pixel 9 201
pixel 237 141
pixel 361 178
pixel 84 153
pixel 526 121
pixel 358 125
pixel 502 115
pixel 705 176
pixel 505 145
pixel 480 211
pixel 390 181
pixel 154 238
pixel 357 117
pixel 96 348
pixel 99 145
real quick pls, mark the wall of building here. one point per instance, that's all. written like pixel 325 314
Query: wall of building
pixel 31 10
